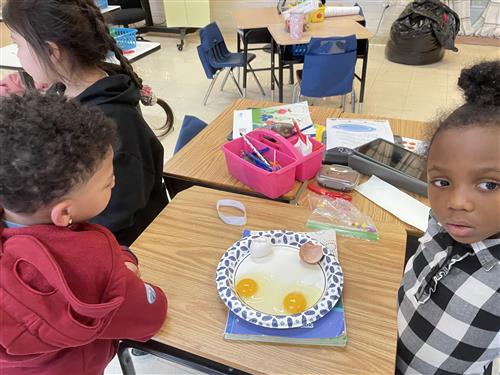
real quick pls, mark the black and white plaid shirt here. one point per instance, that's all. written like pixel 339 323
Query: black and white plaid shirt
pixel 449 306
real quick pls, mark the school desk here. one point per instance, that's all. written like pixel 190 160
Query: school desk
pixel 329 28
pixel 180 251
pixel 406 128
pixel 202 162
pixel 9 59
pixel 252 25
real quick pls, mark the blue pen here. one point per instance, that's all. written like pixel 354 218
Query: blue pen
pixel 307 127
pixel 256 161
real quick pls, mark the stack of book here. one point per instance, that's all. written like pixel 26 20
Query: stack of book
pixel 327 331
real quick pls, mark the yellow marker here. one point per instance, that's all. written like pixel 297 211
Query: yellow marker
pixel 320 129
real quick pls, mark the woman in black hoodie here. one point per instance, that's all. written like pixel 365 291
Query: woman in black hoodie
pixel 65 43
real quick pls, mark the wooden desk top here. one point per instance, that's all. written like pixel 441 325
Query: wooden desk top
pixel 258 18
pixel 202 161
pixel 328 28
pixel 180 251
pixel 405 128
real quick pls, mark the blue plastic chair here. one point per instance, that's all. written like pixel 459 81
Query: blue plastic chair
pixel 328 68
pixel 190 127
pixel 215 57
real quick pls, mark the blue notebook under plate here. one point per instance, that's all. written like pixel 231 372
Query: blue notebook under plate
pixel 327 331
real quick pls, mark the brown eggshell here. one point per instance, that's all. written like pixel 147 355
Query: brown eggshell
pixel 311 253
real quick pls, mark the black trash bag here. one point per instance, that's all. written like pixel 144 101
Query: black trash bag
pixel 422 32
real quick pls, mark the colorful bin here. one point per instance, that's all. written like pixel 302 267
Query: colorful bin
pixel 293 165
pixel 126 39
pixel 271 184
pixel 102 4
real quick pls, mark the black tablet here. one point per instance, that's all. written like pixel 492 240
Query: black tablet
pixel 396 157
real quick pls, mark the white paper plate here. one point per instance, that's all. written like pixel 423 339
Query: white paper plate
pixel 283 264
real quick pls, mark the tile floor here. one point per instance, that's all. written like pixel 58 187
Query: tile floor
pixel 392 90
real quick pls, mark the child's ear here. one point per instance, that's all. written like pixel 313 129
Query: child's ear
pixel 61 214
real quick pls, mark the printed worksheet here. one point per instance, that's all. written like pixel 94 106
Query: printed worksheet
pixel 352 133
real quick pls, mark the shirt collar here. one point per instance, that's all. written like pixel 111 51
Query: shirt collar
pixel 486 251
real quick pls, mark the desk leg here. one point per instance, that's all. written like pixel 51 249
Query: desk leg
pixel 281 56
pixel 147 9
pixel 363 78
pixel 272 68
pixel 245 66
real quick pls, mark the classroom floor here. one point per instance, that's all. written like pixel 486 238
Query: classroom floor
pixel 392 90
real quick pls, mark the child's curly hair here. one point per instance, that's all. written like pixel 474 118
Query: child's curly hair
pixel 48 145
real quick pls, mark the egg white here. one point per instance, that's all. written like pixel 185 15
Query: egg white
pixel 278 274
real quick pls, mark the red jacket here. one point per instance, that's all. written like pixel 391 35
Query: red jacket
pixel 66 297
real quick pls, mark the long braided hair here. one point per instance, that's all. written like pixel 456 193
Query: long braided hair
pixel 78 28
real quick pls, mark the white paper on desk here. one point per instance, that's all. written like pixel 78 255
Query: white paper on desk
pixel 352 133
pixel 398 203
pixel 247 120
pixel 341 11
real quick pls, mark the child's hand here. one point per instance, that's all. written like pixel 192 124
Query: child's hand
pixel 132 267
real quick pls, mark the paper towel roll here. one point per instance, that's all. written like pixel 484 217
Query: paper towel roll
pixel 340 11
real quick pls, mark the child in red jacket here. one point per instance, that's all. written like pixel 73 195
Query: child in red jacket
pixel 68 291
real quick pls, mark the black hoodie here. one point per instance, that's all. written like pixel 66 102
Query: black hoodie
pixel 139 194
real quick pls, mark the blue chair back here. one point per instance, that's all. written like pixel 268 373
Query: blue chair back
pixel 205 62
pixel 213 42
pixel 190 127
pixel 329 66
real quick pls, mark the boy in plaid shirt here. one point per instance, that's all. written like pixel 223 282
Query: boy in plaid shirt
pixel 449 300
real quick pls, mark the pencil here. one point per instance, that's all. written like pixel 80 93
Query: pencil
pixel 257 153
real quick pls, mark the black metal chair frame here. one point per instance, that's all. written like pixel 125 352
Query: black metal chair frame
pixel 171 354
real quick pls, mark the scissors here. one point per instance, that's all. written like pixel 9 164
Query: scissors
pixel 329 193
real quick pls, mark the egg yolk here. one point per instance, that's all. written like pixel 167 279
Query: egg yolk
pixel 294 303
pixel 246 287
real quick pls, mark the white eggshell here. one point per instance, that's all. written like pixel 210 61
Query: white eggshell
pixel 260 247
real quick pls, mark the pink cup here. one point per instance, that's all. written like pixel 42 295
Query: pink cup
pixel 296 25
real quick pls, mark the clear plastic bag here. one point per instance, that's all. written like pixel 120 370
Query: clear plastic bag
pixel 342 216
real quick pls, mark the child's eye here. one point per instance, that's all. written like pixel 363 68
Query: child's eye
pixel 441 183
pixel 489 186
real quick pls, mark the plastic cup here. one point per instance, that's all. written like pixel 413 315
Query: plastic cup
pixel 296 25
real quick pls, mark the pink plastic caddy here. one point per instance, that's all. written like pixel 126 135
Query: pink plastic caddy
pixel 292 165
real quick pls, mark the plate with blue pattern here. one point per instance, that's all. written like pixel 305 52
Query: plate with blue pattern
pixel 278 290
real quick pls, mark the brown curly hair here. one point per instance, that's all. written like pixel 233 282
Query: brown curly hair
pixel 49 145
